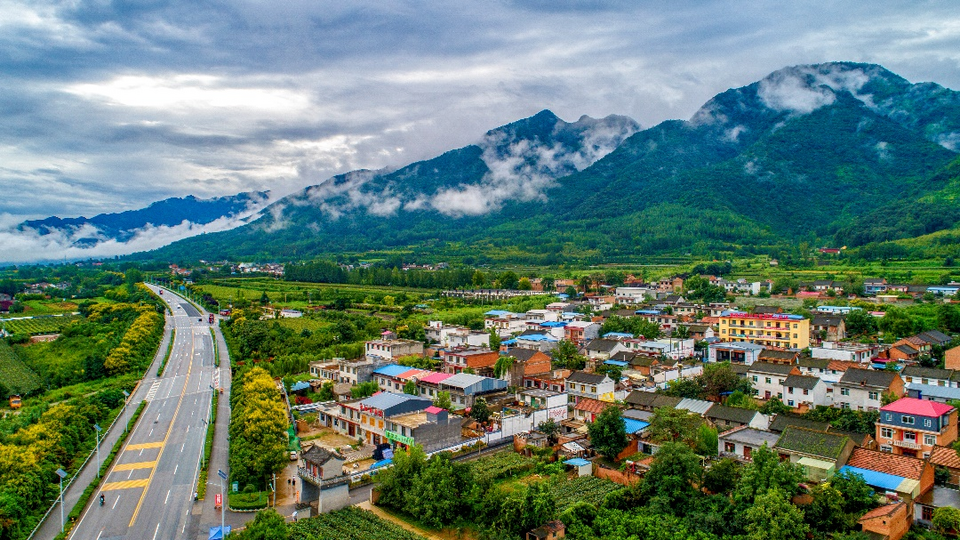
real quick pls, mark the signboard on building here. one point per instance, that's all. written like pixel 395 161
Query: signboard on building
pixel 393 436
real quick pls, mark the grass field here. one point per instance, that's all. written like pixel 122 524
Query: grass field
pixel 301 324
pixel 14 374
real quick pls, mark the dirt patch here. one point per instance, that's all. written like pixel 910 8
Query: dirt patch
pixel 326 437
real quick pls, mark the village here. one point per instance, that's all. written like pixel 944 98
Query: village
pixel 759 378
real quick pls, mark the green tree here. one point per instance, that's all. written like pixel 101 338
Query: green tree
pixel 524 284
pixel 443 400
pixel 479 411
pixel 719 379
pixel 478 280
pixel 860 323
pixel 946 519
pixel 508 280
pixel 503 366
pixel 410 387
pixel 570 291
pixel 267 525
pixel 494 340
pixel 608 433
pixel 766 472
pixel 566 355
pixel 669 484
pixel 858 497
pixel 674 425
pixel 772 517
pixel 707 441
pixel 549 428
pixel 722 476
pixel 825 511
pixel 775 406
pixel 681 332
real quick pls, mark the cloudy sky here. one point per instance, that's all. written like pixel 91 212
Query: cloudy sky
pixel 107 106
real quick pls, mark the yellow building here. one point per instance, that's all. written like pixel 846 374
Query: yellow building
pixel 776 330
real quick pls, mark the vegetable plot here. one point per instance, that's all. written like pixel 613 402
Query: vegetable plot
pixel 14 374
pixel 586 488
pixel 349 524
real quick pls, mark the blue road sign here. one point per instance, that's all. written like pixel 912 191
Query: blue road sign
pixel 221 474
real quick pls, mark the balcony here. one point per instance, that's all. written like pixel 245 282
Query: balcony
pixel 322 483
pixel 907 444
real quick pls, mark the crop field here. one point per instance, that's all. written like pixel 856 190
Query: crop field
pixel 501 465
pixel 39 325
pixel 586 488
pixel 349 524
pixel 14 374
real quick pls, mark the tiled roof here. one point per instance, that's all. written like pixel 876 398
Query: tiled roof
pixel 731 414
pixel 906 349
pixel 586 378
pixel 824 320
pixel 934 337
pixel 820 363
pixel 896 465
pixel 868 377
pixel 435 378
pixel 773 369
pixel 783 420
pixel 927 373
pixel 777 355
pixel 883 511
pixel 318 455
pixel 944 456
pixel 919 407
pixel 801 381
pixel 603 345
pixel 815 443
pixel 589 405
pixel 842 365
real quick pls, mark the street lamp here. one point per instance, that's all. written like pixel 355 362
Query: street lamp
pixel 62 474
pixel 126 414
pixel 99 429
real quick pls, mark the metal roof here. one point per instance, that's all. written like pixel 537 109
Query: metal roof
pixel 884 481
pixel 576 462
pixel 634 426
pixel 392 370
pixel 698 406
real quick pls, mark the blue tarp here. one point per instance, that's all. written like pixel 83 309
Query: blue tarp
pixel 302 385
pixel 618 335
pixel 497 313
pixel 392 370
pixel 553 324
pixel 508 342
pixel 534 337
pixel 884 481
pixel 381 463
pixel 617 363
pixel 634 426
pixel 576 462
pixel 217 534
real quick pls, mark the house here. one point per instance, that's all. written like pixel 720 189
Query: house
pixel 365 419
pixel 432 428
pixel 388 377
pixel 906 476
pixel 930 376
pixel 481 361
pixel 903 352
pixel 873 286
pixel 551 530
pixel 553 380
pixel 325 369
pixel 930 500
pixel 942 394
pixel 358 370
pixel 388 350
pixel 913 427
pixel 586 410
pixel 862 389
pixel 602 348
pixel 888 522
pixel 767 310
pixel 724 418
pixel 527 362
pixel 828 328
pixel 456 336
pixel 804 390
pixel 850 352
pixel 675 349
pixel 934 338
pixel 780 330
pixel 735 353
pixel 946 457
pixel 581 384
pixel 768 378
pixel 650 401
pixel 951 358
pixel 429 385
pixel 782 421
pixel 740 442
pixel 465 388
pixel 505 323
pixel 322 480
pixel 820 453
pixel 580 331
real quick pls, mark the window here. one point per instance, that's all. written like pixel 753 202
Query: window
pixel 927 422
pixel 873 395
pixel 754 378
pixel 844 391
pixel 593 389
pixel 929 440
pixel 907 420
pixel 729 447
pixel 886 433
pixel 927 513
pixel 885 448
pixel 910 436
pixel 790 390
pixel 806 392
pixel 768 380
pixel 790 402
pixel 888 416
pixel 844 405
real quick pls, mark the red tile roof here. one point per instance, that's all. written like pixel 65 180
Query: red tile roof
pixel 883 511
pixel 944 456
pixel 590 405
pixel 919 407
pixel 902 466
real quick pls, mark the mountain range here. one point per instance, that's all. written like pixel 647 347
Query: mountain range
pixel 833 154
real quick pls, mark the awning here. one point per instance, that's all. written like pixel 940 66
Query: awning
pixel 817 464
pixel 886 482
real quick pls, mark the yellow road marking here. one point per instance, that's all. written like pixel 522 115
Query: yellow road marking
pixel 137 465
pixel 144 446
pixel 176 412
pixel 126 484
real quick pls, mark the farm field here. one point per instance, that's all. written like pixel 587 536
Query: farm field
pixel 14 374
pixel 50 324
pixel 303 323
pixel 349 524
pixel 586 488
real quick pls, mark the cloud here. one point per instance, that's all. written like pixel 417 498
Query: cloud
pixel 107 106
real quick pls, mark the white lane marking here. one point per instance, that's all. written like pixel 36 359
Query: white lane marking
pixel 156 531
pixel 175 469
pixel 141 452
pixel 188 429
pixel 181 446
pixel 130 474
pixel 151 433
pixel 115 502
pixel 167 498
pixel 100 533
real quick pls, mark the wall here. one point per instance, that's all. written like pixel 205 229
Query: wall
pixel 622 478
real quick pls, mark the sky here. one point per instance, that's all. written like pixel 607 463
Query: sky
pixel 108 106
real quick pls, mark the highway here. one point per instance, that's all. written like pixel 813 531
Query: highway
pixel 148 492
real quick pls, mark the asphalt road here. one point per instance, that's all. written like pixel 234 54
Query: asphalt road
pixel 148 492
